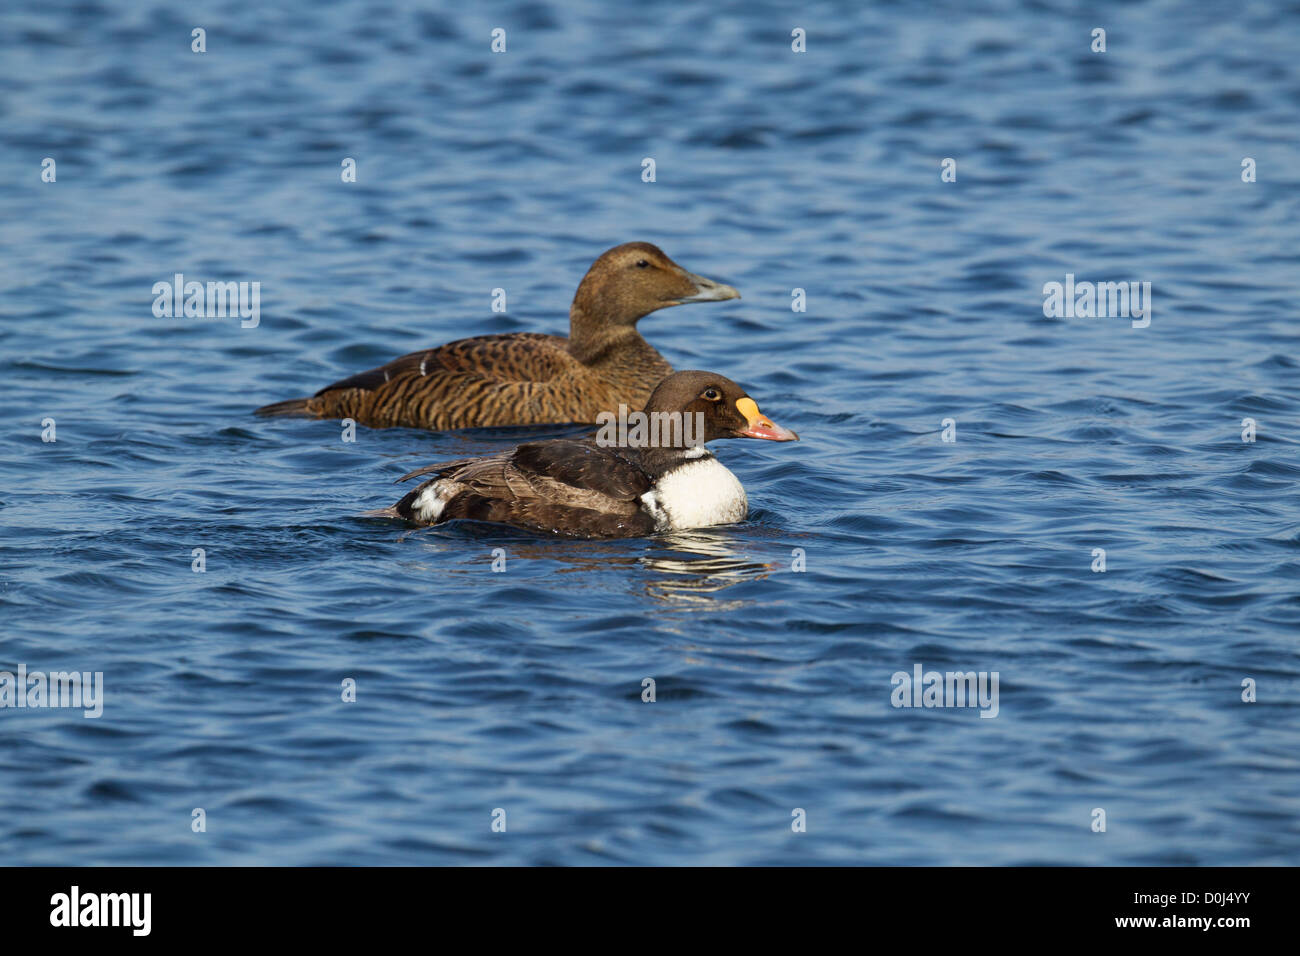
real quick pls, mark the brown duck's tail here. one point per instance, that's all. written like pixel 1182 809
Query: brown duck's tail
pixel 294 406
pixel 400 510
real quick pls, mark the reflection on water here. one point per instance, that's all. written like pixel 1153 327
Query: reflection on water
pixel 477 546
pixel 687 567
pixel 689 583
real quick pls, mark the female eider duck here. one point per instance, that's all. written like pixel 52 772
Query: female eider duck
pixel 616 485
pixel 526 378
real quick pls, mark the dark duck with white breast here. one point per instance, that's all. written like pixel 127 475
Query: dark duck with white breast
pixel 659 479
pixel 525 378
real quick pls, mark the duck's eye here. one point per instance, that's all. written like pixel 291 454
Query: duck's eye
pixel 642 264
pixel 712 395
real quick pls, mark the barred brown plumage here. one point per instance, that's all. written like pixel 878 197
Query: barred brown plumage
pixel 527 378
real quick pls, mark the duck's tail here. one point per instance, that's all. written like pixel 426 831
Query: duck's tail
pixel 404 509
pixel 294 406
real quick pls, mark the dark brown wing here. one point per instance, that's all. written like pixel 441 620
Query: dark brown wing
pixel 585 465
pixel 562 487
pixel 440 469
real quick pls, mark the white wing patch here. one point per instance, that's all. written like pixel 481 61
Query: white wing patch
pixel 429 503
pixel 697 494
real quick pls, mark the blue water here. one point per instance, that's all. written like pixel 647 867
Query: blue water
pixel 1119 690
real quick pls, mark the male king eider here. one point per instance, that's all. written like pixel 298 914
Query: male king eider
pixel 526 378
pixel 594 489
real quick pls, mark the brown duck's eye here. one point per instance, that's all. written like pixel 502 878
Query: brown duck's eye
pixel 712 395
pixel 642 264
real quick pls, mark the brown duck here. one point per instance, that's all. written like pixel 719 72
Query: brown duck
pixel 525 378
pixel 619 484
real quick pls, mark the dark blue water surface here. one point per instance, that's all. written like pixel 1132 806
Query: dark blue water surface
pixel 1119 690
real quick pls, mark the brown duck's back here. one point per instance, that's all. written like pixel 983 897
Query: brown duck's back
pixel 522 378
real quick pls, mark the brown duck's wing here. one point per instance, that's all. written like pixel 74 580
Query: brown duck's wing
pixel 517 357
pixel 493 380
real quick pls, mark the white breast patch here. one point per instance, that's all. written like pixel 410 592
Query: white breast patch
pixel 697 494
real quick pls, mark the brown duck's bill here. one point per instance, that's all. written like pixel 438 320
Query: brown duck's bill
pixel 760 426
pixel 708 291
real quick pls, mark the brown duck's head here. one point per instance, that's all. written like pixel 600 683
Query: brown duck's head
pixel 728 412
pixel 635 279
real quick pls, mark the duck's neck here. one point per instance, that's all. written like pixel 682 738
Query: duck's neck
pixel 660 461
pixel 616 351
